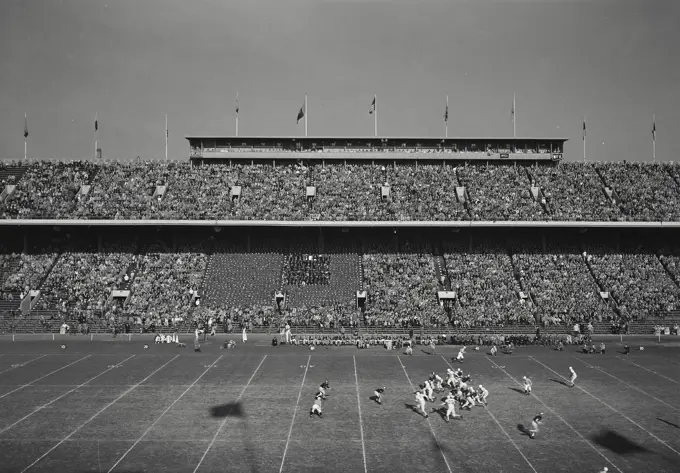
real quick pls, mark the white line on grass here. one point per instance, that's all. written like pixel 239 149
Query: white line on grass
pixel 292 422
pixel 19 365
pixel 647 369
pixel 613 409
pixel 96 414
pixel 558 416
pixel 502 429
pixel 38 409
pixel 361 422
pixel 627 384
pixel 45 376
pixel 227 416
pixel 162 414
pixel 448 467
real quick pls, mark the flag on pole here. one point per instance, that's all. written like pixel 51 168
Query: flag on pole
pixel 236 104
pixel 96 123
pixel 584 129
pixel 25 126
pixel 512 110
pixel 301 113
pixel 654 130
pixel 372 109
pixel 446 113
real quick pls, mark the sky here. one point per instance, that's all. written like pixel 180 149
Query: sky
pixel 613 62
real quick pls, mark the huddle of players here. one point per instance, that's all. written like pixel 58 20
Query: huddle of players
pixel 320 395
pixel 462 393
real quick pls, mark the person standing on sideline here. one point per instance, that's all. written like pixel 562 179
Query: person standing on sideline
pixel 244 335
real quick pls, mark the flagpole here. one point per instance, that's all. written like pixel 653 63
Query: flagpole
pixel 25 135
pixel 584 139
pixel 236 113
pixel 654 139
pixel 375 118
pixel 447 117
pixel 166 136
pixel 96 127
pixel 514 117
pixel 306 116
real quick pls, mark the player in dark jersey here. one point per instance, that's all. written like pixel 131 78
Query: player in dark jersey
pixel 378 394
pixel 534 425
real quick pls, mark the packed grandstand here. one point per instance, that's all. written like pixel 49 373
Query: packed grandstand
pixel 176 277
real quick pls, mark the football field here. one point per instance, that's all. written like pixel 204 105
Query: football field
pixel 100 407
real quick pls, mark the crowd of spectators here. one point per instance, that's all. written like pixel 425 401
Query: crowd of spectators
pixel 570 192
pixel 648 192
pixel 636 279
pixel 31 269
pixel 485 284
pixel 401 285
pixel 559 283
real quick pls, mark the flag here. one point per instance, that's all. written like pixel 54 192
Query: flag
pixel 446 113
pixel 584 130
pixel 512 110
pixel 372 109
pixel 236 104
pixel 25 126
pixel 654 130
pixel 96 123
pixel 301 113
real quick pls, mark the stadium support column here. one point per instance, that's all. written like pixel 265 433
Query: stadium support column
pixel 375 118
pixel 25 242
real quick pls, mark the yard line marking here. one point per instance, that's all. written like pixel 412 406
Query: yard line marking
pixel 162 414
pixel 501 427
pixel 227 416
pixel 651 371
pixel 361 422
pixel 45 376
pixel 558 416
pixel 448 467
pixel 629 385
pixel 21 365
pixel 96 414
pixel 38 409
pixel 292 422
pixel 613 409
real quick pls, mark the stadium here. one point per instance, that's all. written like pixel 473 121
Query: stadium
pixel 312 292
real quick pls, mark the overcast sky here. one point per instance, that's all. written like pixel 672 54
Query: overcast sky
pixel 132 61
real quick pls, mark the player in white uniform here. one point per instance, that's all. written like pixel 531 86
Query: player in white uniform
pixel 534 425
pixel 461 354
pixel 420 402
pixel 573 376
pixel 428 391
pixel 604 470
pixel 450 378
pixel 494 350
pixel 483 394
pixel 316 408
pixel 527 385
pixel 437 380
pixel 450 404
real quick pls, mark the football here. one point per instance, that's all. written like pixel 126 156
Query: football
pixel 311 348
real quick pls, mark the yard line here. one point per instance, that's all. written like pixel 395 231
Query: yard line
pixel 227 416
pixel 361 422
pixel 501 427
pixel 613 409
pixel 21 365
pixel 96 414
pixel 629 385
pixel 57 398
pixel 292 422
pixel 448 467
pixel 647 369
pixel 163 413
pixel 558 416
pixel 45 376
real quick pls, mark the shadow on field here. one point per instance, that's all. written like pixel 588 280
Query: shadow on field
pixel 235 409
pixel 523 430
pixel 517 390
pixel 560 381
pixel 617 443
pixel 669 423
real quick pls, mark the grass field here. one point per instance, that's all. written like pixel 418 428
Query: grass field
pixel 117 407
